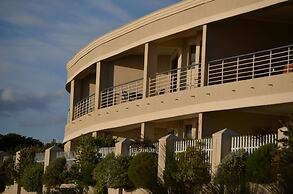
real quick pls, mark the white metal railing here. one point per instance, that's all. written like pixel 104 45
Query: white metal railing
pixel 174 80
pixel 106 150
pixel 40 157
pixel 70 156
pixel 205 144
pixel 122 93
pixel 84 106
pixel 251 143
pixel 135 149
pixel 249 66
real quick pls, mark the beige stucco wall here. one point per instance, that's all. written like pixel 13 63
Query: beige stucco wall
pixel 238 36
pixel 241 122
pixel 179 17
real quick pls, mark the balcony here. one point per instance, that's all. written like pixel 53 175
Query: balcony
pixel 84 106
pixel 250 66
pixel 174 80
pixel 122 93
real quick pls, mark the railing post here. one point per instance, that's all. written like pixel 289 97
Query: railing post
pixel 222 78
pixel 288 60
pixel 270 63
pixel 253 62
pixel 237 70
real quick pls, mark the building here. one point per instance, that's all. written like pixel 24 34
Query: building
pixel 191 69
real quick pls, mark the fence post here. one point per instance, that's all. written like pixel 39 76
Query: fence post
pixel 50 154
pixel 221 146
pixel 166 150
pixel 280 135
pixel 122 147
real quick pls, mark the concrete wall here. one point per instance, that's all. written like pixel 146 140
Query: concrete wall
pixel 238 36
pixel 127 69
pixel 243 123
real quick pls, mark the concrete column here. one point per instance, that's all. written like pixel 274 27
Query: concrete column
pixel 221 146
pixel 97 91
pixel 281 135
pixel 94 134
pixel 71 102
pixel 194 130
pixel 200 125
pixel 121 147
pixel 150 66
pixel 166 151
pixel 50 154
pixel 147 132
pixel 68 147
pixel 182 62
pixel 203 56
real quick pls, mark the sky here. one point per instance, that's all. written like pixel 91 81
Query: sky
pixel 37 39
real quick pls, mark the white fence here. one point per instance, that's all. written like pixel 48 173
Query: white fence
pixel 205 144
pixel 70 156
pixel 122 93
pixel 174 80
pixel 106 150
pixel 135 149
pixel 251 143
pixel 84 106
pixel 40 157
pixel 250 66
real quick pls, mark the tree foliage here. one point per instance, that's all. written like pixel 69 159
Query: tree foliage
pixel 12 142
pixel 189 172
pixel 111 172
pixel 7 173
pixel 31 177
pixel 259 167
pixel 54 173
pixel 142 172
pixel 231 171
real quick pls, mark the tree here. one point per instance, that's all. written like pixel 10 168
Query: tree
pixel 111 172
pixel 12 142
pixel 54 173
pixel 142 172
pixel 31 178
pixel 231 171
pixel 189 172
pixel 283 160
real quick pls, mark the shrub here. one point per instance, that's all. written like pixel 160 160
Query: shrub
pixel 111 172
pixel 231 172
pixel 189 172
pixel 259 165
pixel 31 177
pixel 143 171
pixel 54 173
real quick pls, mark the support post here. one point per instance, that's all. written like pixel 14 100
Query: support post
pixel 147 132
pixel 121 147
pixel 221 146
pixel 97 90
pixel 203 56
pixel 71 102
pixel 150 66
pixel 166 151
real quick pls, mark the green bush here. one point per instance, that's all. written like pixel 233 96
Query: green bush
pixel 259 167
pixel 54 173
pixel 189 172
pixel 31 177
pixel 231 171
pixel 111 172
pixel 143 171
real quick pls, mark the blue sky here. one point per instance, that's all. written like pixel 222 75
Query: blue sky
pixel 37 38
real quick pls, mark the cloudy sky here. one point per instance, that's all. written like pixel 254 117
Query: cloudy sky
pixel 37 38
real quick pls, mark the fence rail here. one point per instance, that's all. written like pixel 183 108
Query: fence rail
pixel 205 144
pixel 40 157
pixel 122 93
pixel 106 150
pixel 84 106
pixel 174 80
pixel 135 149
pixel 252 143
pixel 249 66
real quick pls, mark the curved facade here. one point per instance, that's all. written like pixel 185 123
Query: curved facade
pixel 192 68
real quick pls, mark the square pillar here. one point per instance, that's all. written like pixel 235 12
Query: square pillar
pixel 122 147
pixel 147 132
pixel 203 56
pixel 71 101
pixel 97 90
pixel 150 66
pixel 182 62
